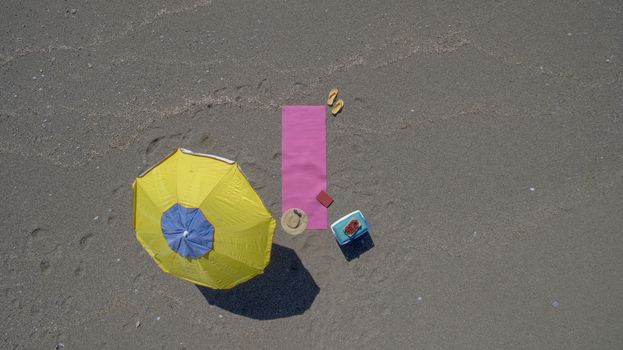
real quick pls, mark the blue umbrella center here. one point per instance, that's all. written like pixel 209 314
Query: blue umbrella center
pixel 187 231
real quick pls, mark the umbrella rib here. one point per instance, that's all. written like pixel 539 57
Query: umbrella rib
pixel 192 220
pixel 231 262
pixel 228 175
pixel 146 194
pixel 229 242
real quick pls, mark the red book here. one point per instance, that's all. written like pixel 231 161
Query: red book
pixel 324 199
pixel 352 227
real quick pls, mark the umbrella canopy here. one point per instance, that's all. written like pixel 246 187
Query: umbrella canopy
pixel 199 218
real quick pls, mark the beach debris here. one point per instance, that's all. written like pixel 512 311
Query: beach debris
pixel 59 346
pixel 73 11
pixel 419 298
pixel 138 324
pixel 158 318
pixel 556 304
pixel 532 189
pixel 338 107
pixel 324 199
pixel 89 65
pixel 332 96
pixel 96 218
pixel 220 316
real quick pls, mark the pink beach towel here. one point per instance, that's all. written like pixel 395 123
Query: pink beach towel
pixel 304 161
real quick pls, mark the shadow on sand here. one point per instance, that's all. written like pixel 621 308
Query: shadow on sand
pixel 357 247
pixel 285 289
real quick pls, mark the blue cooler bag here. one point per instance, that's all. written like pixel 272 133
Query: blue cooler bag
pixel 338 227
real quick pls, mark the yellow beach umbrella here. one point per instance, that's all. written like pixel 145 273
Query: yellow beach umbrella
pixel 199 218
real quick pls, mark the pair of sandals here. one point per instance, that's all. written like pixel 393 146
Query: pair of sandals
pixel 339 104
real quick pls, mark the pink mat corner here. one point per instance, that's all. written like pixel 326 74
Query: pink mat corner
pixel 304 161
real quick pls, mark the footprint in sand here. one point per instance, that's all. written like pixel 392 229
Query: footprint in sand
pixel 153 145
pixel 41 240
pixel 359 103
pixel 37 232
pixel 117 191
pixel 45 266
pixel 79 272
pixel 84 240
pixel 263 86
pixel 277 155
pixel 201 140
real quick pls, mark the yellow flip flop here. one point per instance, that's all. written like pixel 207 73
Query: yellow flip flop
pixel 332 96
pixel 338 107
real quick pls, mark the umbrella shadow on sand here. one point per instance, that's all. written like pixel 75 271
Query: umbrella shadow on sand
pixel 285 289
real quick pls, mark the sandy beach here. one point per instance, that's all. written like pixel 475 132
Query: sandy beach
pixel 482 140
